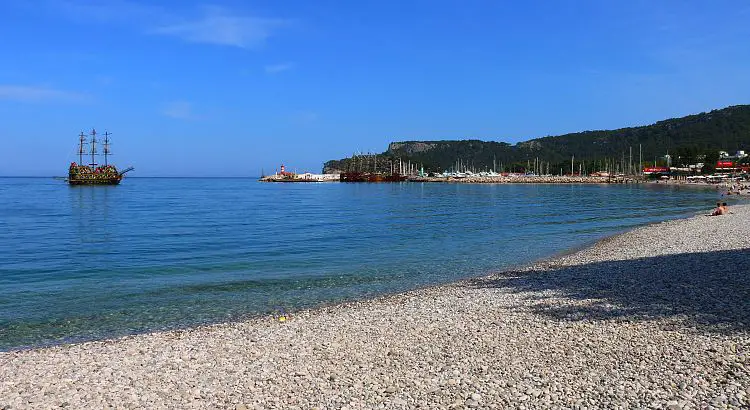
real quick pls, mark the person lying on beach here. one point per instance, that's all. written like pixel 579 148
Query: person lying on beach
pixel 718 211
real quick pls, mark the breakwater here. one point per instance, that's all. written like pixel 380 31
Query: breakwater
pixel 529 179
pixel 307 177
pixel 471 179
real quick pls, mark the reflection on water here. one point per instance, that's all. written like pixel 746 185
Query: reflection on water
pixel 90 208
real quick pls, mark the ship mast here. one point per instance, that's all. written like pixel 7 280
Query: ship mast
pixel 93 147
pixel 81 143
pixel 106 146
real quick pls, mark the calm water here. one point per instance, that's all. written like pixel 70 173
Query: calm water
pixel 80 263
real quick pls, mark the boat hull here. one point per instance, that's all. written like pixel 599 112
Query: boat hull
pixel 85 175
pixel 370 177
pixel 95 181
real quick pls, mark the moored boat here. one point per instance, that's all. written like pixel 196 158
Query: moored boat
pixel 371 177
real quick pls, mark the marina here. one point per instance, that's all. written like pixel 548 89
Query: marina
pixel 466 178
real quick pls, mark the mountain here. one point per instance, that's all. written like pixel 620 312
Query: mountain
pixel 687 140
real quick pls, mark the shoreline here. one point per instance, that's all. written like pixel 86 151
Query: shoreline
pixel 450 344
pixel 323 304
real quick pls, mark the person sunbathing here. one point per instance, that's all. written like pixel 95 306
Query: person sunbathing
pixel 720 210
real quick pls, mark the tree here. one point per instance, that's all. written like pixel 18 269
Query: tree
pixel 709 161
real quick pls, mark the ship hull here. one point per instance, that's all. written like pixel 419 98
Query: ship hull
pixel 85 175
pixel 97 181
pixel 370 177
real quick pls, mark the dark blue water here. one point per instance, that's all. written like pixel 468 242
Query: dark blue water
pixel 80 263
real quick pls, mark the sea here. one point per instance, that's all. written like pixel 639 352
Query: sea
pixel 88 263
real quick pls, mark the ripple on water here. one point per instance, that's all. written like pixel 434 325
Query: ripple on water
pixel 85 263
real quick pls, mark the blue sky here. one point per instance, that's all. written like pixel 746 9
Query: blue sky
pixel 228 88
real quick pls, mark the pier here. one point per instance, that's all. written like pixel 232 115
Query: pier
pixel 530 179
pixel 475 179
pixel 285 176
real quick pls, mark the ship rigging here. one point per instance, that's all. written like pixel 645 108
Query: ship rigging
pixel 93 173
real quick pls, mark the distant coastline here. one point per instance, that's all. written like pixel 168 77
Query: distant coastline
pixel 624 150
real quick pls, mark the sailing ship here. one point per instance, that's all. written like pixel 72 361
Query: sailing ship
pixel 93 173
pixel 371 177
pixel 358 172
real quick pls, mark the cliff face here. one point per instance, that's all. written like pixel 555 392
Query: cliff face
pixel 410 148
pixel 687 138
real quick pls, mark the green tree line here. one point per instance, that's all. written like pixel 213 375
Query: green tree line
pixel 687 140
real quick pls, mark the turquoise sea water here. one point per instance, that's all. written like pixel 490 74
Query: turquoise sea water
pixel 79 263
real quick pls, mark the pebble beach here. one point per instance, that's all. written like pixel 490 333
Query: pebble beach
pixel 658 317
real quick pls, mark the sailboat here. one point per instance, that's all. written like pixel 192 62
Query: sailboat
pixel 93 173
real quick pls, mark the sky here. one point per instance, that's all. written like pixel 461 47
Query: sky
pixel 235 87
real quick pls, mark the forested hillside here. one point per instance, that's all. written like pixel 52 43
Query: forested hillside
pixel 687 140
